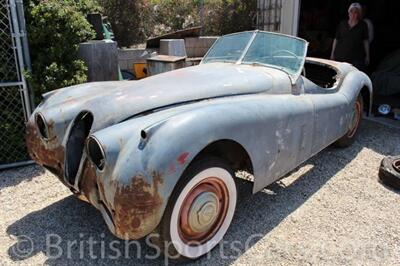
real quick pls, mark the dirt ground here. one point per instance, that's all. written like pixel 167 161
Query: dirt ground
pixel 332 210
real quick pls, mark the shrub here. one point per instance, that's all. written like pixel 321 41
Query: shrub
pixel 124 16
pixel 55 29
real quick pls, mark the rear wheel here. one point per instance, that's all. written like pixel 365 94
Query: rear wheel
pixel 352 133
pixel 200 210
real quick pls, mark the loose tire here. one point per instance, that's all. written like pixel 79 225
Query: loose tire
pixel 389 172
pixel 352 133
pixel 199 211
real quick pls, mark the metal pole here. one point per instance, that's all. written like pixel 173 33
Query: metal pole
pixel 25 45
pixel 16 34
pixel 24 35
pixel 201 17
pixel 258 15
pixel 19 164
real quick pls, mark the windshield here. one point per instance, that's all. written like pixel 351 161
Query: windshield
pixel 265 48
pixel 229 48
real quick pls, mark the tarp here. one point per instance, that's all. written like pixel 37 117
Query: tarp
pixel 386 79
pixel 180 34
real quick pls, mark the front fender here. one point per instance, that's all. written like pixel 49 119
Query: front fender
pixel 140 178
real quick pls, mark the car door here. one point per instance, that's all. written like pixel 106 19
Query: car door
pixel 289 136
pixel 331 117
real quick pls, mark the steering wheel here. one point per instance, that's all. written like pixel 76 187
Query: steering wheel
pixel 285 52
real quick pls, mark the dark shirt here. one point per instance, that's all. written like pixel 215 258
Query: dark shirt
pixel 350 47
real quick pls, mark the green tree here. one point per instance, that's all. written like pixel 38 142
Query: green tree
pixel 55 29
pixel 228 16
pixel 133 21
pixel 125 18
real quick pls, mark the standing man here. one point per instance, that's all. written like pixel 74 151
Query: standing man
pixel 351 42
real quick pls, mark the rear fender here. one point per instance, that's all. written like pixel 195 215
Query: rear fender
pixel 352 86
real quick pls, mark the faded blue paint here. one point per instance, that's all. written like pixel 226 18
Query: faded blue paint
pixel 279 125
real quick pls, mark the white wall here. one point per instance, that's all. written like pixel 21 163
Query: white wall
pixel 290 17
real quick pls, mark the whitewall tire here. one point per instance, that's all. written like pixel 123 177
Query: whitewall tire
pixel 200 210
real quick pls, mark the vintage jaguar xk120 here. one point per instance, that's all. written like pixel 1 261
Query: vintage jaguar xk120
pixel 159 154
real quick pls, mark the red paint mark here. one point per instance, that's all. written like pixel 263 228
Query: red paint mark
pixel 172 169
pixel 182 158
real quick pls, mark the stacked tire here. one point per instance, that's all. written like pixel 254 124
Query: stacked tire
pixel 389 172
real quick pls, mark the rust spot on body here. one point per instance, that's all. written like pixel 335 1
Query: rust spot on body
pixel 52 159
pixel 88 183
pixel 137 206
pixel 70 100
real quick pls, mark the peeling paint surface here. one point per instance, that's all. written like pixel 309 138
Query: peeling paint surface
pixel 52 158
pixel 135 205
pixel 147 132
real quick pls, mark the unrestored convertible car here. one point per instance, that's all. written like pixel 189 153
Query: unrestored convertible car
pixel 160 154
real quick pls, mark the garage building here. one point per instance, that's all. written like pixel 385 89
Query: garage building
pixel 316 21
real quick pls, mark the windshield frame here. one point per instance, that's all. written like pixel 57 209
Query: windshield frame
pixel 293 76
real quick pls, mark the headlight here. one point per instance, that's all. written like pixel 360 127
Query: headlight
pixel 95 152
pixel 42 126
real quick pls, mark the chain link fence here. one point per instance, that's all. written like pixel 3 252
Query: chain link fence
pixel 8 69
pixel 14 99
pixel 12 127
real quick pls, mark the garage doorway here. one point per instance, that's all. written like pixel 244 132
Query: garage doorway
pixel 319 19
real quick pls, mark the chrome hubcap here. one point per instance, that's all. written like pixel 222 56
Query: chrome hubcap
pixel 203 212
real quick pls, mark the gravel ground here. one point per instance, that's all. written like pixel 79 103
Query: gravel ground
pixel 331 210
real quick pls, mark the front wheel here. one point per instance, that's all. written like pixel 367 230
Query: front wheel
pixel 199 211
pixel 355 122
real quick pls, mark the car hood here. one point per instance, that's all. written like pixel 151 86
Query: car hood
pixel 122 99
pixel 57 130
